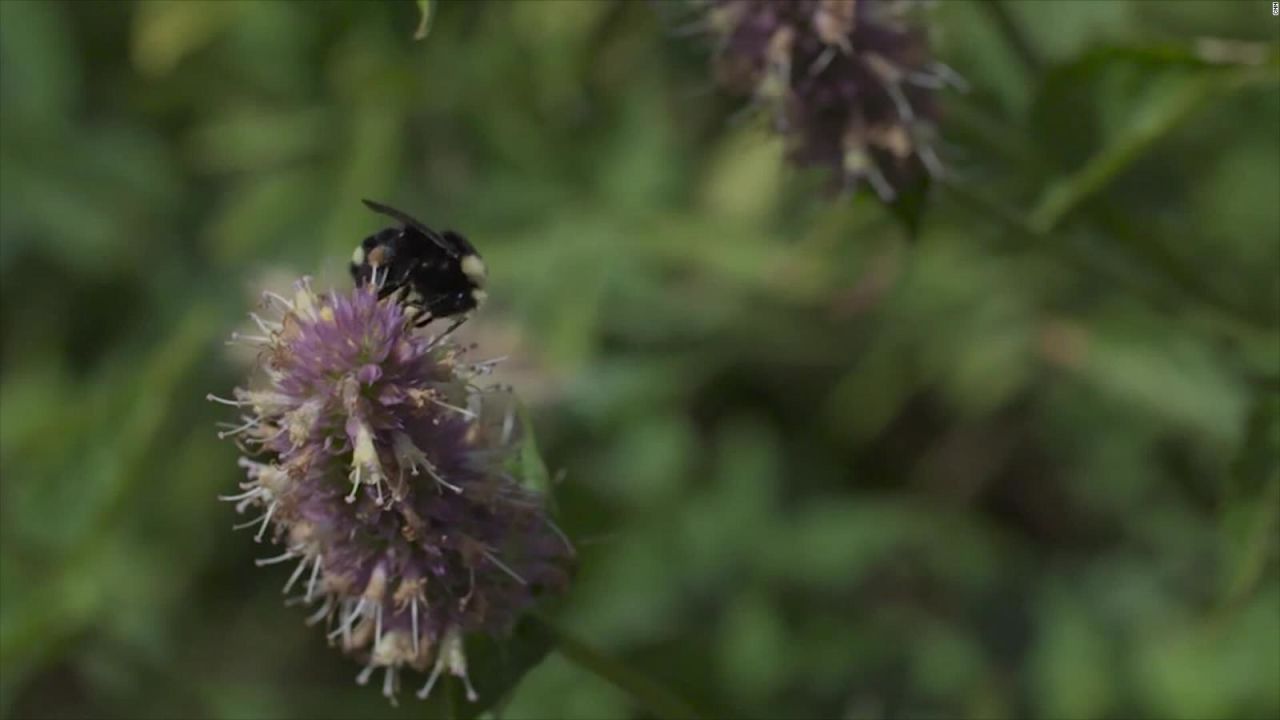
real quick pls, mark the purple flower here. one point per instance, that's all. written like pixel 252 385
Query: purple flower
pixel 381 467
pixel 849 83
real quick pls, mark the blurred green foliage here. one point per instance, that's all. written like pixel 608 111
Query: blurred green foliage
pixel 1027 465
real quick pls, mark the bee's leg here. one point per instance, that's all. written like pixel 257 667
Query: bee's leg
pixel 397 291
pixel 423 320
pixel 453 326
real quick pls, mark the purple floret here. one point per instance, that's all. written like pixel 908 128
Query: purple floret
pixel 385 472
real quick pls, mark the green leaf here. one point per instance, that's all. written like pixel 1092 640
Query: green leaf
pixel 496 666
pixel 1222 669
pixel 43 617
pixel 39 69
pixel 533 469
pixel 744 178
pixel 1072 660
pixel 1175 380
pixel 753 647
pixel 166 33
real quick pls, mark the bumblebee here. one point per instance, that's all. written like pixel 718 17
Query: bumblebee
pixel 438 273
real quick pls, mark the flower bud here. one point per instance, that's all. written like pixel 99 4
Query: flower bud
pixel 848 83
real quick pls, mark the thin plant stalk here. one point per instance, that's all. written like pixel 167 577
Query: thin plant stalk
pixel 644 690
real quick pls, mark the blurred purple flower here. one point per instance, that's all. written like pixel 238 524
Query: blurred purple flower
pixel 383 470
pixel 849 83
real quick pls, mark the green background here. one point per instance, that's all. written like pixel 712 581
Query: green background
pixel 1026 465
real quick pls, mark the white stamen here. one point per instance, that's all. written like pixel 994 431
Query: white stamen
pixel 342 625
pixel 233 403
pixel 900 102
pixel 389 684
pixel 252 339
pixel 357 611
pixel 265 520
pixel 249 424
pixel 344 629
pixel 494 559
pixel 823 61
pixel 322 613
pixel 491 362
pixel 377 625
pixel 925 79
pixel 878 181
pixel 930 160
pixel 355 484
pixel 471 588
pixel 413 613
pixel 260 519
pixel 409 454
pixel 251 493
pixel 346 634
pixel 315 572
pixel 252 467
pixel 462 411
pixel 363 677
pixel 274 560
pixel 949 76
pixel 431 470
pixel 563 537
pixel 452 653
pixel 297 573
pixel 270 328
pixel 284 302
pixel 431 679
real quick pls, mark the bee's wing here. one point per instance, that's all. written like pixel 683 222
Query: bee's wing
pixel 459 245
pixel 412 222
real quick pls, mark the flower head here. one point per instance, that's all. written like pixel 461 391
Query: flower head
pixel 848 82
pixel 381 467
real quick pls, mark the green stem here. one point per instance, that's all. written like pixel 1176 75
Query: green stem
pixel 1212 316
pixel 1253 563
pixel 1097 173
pixel 450 699
pixel 659 701
pixel 1013 34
